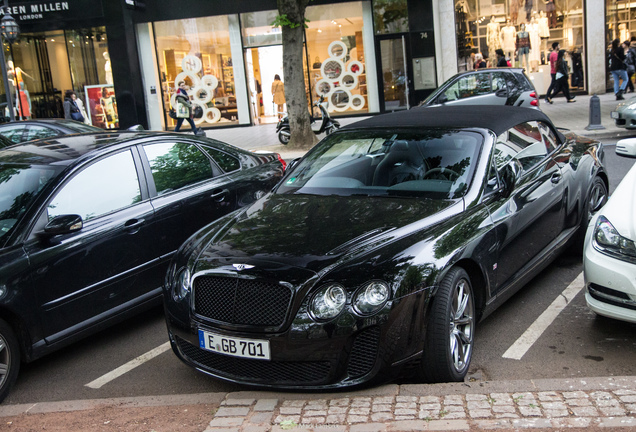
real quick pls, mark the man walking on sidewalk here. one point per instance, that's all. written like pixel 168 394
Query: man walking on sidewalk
pixel 553 64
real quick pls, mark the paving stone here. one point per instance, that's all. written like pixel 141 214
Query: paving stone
pixel 226 421
pixel 549 396
pixel 526 398
pixel 480 413
pixel 226 411
pixel 631 408
pixel 287 418
pixel 616 422
pixel 454 408
pixel 610 402
pixel 313 420
pixel 585 411
pixel 337 410
pixel 335 418
pixel 329 428
pixel 316 413
pixel 455 415
pixel 453 400
pixel 406 405
pixel 612 411
pixel 409 425
pixel 261 417
pixel 431 406
pixel 361 402
pixel 357 418
pixel 478 405
pixel 531 423
pixel 405 417
pixel 266 405
pixel 528 411
pixel 254 428
pixel 493 424
pixel 405 399
pixel 553 405
pixel 551 413
pixel 503 409
pixel 575 395
pixel 290 410
pixel 429 415
pixel 382 416
pixel 360 410
pixel 402 411
pixel 383 400
pixel 572 422
pixel 294 403
pixel 500 398
pixel 506 416
pixel 368 427
pixel 601 395
pixel 628 399
pixel 382 408
pixel 429 399
pixel 578 402
pixel 313 406
pixel 278 428
pixel 240 402
pixel 623 392
pixel 476 397
pixel 339 402
pixel 448 425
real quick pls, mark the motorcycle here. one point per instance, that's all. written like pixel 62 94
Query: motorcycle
pixel 327 124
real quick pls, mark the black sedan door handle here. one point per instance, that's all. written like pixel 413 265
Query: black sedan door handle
pixel 556 177
pixel 133 225
pixel 219 194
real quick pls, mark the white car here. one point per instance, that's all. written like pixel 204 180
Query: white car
pixel 609 256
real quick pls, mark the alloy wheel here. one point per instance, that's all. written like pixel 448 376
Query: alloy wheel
pixel 462 318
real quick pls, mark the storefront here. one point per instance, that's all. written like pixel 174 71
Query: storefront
pixel 66 46
pixel 482 26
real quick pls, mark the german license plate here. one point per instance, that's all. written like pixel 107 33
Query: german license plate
pixel 234 346
pixel 614 114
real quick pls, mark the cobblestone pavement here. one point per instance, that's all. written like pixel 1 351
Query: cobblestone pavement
pixel 610 408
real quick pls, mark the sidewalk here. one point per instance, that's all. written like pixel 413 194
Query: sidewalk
pixel 572 116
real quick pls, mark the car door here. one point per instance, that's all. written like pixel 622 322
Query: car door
pixel 188 190
pixel 108 266
pixel 533 215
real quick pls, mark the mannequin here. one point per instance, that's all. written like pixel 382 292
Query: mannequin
pixel 544 33
pixel 550 8
pixel 535 43
pixel 492 36
pixel 523 46
pixel 508 34
pixel 25 102
pixel 22 99
pixel 108 69
pixel 514 11
pixel 529 5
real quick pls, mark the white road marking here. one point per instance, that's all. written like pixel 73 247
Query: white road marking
pixel 105 379
pixel 530 336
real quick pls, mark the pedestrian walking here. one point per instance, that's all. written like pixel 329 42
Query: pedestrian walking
pixel 278 92
pixel 184 108
pixel 501 58
pixel 552 58
pixel 562 75
pixel 618 68
pixel 630 61
pixel 71 110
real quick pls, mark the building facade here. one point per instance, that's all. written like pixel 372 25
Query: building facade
pixel 124 58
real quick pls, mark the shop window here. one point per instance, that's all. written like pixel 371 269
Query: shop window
pixel 390 16
pixel 197 52
pixel 336 57
pixel 257 29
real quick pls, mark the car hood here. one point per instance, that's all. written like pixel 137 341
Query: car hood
pixel 313 232
pixel 620 210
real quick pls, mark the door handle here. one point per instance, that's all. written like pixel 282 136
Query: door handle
pixel 219 194
pixel 133 225
pixel 556 177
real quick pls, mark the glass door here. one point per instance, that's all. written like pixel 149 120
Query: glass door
pixel 394 73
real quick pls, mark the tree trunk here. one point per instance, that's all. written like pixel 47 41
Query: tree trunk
pixel 295 94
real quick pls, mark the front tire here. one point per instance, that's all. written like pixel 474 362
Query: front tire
pixel 283 137
pixel 9 359
pixel 595 200
pixel 450 332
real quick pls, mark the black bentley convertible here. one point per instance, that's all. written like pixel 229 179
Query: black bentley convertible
pixel 382 247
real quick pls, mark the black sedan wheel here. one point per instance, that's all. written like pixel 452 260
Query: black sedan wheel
pixel 597 197
pixel 9 359
pixel 449 337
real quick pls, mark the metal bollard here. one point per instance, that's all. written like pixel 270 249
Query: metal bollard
pixel 595 114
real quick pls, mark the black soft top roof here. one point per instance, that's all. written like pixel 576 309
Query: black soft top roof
pixel 494 117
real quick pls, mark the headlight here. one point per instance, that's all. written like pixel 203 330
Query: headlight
pixel 371 297
pixel 608 240
pixel 182 284
pixel 632 106
pixel 328 302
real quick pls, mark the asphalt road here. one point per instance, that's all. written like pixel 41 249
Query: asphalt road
pixel 576 344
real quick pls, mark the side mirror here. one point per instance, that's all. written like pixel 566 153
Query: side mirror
pixel 292 164
pixel 136 128
pixel 64 224
pixel 442 98
pixel 626 147
pixel 509 175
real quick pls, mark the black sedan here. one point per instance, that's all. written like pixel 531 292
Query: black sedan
pixel 382 247
pixel 88 224
pixel 27 130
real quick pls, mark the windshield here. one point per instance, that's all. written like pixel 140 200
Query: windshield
pixel 434 163
pixel 19 185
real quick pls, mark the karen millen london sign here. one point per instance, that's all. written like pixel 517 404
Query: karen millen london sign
pixel 53 10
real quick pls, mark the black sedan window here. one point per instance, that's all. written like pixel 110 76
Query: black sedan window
pixel 13 132
pixel 228 163
pixel 107 185
pixel 524 143
pixel 434 163
pixel 175 165
pixel 39 132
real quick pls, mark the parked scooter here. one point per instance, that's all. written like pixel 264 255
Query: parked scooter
pixel 327 124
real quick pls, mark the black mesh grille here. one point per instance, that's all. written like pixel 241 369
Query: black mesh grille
pixel 364 352
pixel 241 301
pixel 266 372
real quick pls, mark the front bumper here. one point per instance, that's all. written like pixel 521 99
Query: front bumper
pixel 624 119
pixel 610 285
pixel 308 355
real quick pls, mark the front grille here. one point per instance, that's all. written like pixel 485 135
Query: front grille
pixel 364 352
pixel 258 371
pixel 241 301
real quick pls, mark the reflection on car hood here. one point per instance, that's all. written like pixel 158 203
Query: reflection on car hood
pixel 313 231
pixel 621 207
